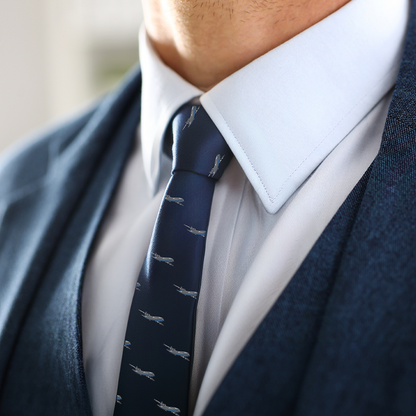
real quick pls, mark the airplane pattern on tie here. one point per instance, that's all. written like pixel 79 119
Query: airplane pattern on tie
pixel 170 409
pixel 191 118
pixel 175 199
pixel 187 293
pixel 157 319
pixel 214 170
pixel 167 260
pixel 193 230
pixel 140 372
pixel 183 354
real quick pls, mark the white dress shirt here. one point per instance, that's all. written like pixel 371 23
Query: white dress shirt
pixel 304 122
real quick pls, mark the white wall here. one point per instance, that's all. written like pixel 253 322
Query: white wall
pixel 58 54
pixel 23 80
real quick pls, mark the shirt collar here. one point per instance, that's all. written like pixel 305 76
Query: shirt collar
pixel 286 111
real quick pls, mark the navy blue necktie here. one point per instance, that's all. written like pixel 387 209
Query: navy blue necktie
pixel 158 349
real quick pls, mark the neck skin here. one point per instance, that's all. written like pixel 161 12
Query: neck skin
pixel 206 41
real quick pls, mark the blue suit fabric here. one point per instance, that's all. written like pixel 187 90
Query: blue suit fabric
pixel 341 338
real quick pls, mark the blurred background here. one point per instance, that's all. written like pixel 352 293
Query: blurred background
pixel 56 55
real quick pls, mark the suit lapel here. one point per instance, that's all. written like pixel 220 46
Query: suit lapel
pixel 266 377
pixel 86 170
pixel 340 340
pixel 365 355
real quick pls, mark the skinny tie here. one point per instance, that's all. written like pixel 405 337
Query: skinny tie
pixel 158 348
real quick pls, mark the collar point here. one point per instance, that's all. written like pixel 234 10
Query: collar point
pixel 272 206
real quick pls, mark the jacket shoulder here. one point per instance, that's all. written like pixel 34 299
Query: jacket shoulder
pixel 27 162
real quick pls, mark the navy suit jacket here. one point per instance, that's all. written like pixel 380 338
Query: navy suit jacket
pixel 340 340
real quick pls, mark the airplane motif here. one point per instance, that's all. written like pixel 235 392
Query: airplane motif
pixel 157 319
pixel 218 160
pixel 170 409
pixel 127 344
pixel 138 286
pixel 186 292
pixel 195 231
pixel 175 199
pixel 191 118
pixel 140 372
pixel 118 399
pixel 182 354
pixel 167 260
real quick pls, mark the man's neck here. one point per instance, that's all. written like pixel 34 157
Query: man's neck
pixel 206 41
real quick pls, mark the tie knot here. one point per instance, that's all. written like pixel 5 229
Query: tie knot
pixel 198 146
